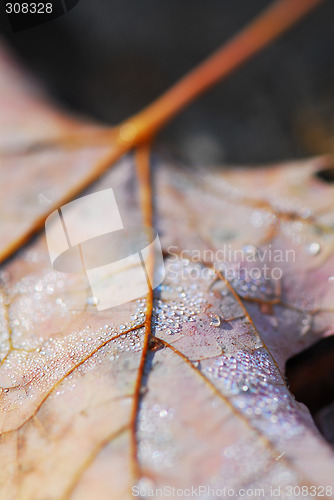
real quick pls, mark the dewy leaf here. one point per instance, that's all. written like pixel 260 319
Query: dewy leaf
pixel 213 407
pixel 183 388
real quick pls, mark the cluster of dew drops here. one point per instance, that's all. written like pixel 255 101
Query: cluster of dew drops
pixel 170 313
pixel 133 330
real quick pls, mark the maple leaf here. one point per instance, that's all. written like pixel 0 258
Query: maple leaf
pixel 68 396
pixel 186 387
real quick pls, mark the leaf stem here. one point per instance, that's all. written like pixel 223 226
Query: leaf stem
pixel 143 173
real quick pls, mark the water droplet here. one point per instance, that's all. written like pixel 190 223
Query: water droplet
pixel 214 320
pixel 331 280
pixel 313 248
pixel 256 219
pixel 306 322
pixel 249 249
pixel 304 213
pixel 92 301
pixel 145 484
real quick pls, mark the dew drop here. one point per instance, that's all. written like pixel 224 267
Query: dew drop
pixel 214 320
pixel 249 250
pixel 312 248
pixel 306 322
pixel 256 219
pixel 92 301
pixel 331 279
pixel 305 213
pixel 145 484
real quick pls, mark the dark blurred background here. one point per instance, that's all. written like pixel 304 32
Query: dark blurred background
pixel 109 58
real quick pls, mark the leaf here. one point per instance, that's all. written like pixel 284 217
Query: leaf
pixel 69 374
pixel 181 389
